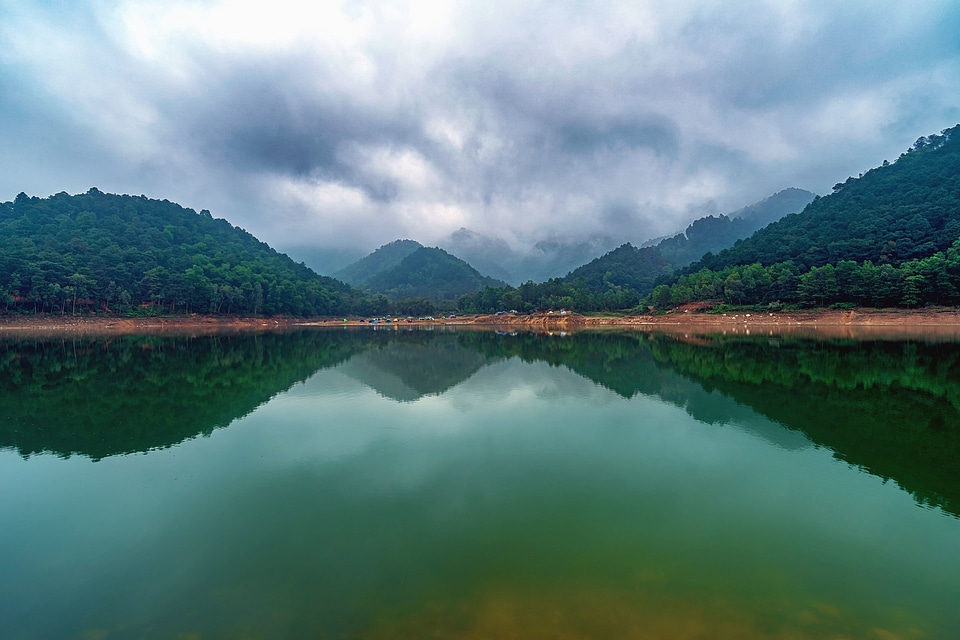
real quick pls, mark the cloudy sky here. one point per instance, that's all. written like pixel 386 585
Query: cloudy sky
pixel 355 123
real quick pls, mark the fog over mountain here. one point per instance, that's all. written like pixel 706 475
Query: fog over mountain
pixel 343 126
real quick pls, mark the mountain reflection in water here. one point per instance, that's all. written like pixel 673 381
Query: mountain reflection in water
pixel 889 407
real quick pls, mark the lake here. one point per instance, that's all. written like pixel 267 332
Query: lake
pixel 476 484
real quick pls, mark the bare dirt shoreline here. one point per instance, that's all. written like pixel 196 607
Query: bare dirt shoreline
pixel 941 322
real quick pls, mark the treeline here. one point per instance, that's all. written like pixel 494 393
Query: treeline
pixel 98 252
pixel 555 293
pixel 934 280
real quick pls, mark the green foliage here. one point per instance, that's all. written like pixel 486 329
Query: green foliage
pixel 97 252
pixel 889 238
pixel 894 213
pixel 715 233
pixel 625 267
pixel 892 408
pixel 621 278
pixel 611 282
pixel 102 397
pixel 384 258
pixel 429 273
pixel 934 280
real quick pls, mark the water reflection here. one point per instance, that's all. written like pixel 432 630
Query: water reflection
pixel 890 407
pixel 474 485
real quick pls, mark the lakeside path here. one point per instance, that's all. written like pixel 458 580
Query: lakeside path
pixel 942 323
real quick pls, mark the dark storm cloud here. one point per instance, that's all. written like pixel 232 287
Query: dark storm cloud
pixel 521 121
pixel 260 119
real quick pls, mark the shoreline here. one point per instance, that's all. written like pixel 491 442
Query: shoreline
pixel 939 321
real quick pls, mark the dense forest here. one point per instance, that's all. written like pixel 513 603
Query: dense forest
pixel 900 211
pixel 934 280
pixel 887 238
pixel 127 254
pixel 386 257
pixel 430 273
pixel 715 233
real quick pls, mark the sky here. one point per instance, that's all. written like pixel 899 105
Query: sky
pixel 351 124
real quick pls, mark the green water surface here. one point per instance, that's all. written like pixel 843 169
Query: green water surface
pixel 391 484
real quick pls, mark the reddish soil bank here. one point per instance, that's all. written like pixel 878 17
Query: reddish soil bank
pixel 938 321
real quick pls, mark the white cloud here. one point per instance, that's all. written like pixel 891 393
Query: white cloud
pixel 359 122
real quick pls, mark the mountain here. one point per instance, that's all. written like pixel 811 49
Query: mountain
pixel 487 255
pixel 113 253
pixel 626 266
pixel 896 212
pixel 890 237
pixel 549 258
pixel 638 269
pixel 384 258
pixel 429 273
pixel 553 258
pixel 414 364
pixel 715 233
pixel 771 209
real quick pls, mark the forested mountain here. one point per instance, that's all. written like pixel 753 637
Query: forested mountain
pixel 888 238
pixel 715 233
pixel 620 278
pixel 384 258
pixel 626 266
pixel 896 212
pixel 117 254
pixel 429 273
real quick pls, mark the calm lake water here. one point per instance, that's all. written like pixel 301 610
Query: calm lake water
pixel 392 484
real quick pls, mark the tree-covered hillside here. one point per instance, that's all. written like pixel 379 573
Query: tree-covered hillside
pixel 900 211
pixel 431 273
pixel 620 278
pixel 386 257
pixel 715 233
pixel 626 266
pixel 888 238
pixel 118 254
